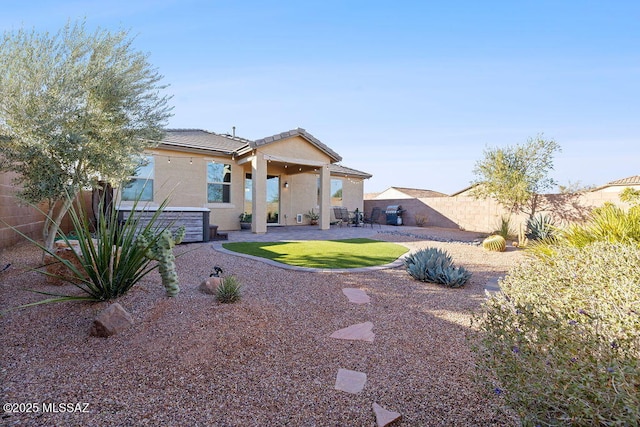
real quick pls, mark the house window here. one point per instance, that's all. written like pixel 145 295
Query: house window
pixel 336 192
pixel 140 185
pixel 218 183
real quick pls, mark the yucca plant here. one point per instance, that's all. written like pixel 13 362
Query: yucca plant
pixel 504 228
pixel 109 265
pixel 435 266
pixel 229 290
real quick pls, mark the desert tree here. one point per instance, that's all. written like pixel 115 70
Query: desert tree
pixel 516 176
pixel 75 107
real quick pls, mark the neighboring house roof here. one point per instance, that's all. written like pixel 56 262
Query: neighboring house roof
pixel 410 193
pixel 624 182
pixel 298 132
pixel 632 180
pixel 464 190
pixel 198 139
pixel 419 193
pixel 343 170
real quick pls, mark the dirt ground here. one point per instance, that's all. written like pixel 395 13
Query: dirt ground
pixel 265 361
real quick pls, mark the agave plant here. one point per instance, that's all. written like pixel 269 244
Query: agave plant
pixel 541 227
pixel 435 266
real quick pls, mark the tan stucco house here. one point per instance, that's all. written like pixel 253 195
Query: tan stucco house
pixel 277 179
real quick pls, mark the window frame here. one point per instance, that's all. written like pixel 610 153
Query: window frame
pixel 225 183
pixel 145 192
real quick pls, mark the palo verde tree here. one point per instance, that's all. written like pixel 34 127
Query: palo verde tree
pixel 516 176
pixel 75 107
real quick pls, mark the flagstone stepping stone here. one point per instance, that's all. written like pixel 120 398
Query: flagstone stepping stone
pixel 360 331
pixel 385 417
pixel 357 296
pixel 350 381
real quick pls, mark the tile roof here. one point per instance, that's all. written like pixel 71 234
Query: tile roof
pixel 298 132
pixel 199 139
pixel 418 193
pixel 203 140
pixel 632 180
pixel 343 170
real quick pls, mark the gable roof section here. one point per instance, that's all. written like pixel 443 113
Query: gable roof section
pixel 197 139
pixel 335 157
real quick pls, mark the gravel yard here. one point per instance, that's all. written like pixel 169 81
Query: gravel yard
pixel 266 361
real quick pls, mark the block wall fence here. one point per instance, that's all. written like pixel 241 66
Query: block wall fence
pixel 23 217
pixel 468 213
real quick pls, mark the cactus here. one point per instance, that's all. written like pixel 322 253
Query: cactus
pixel 495 243
pixel 522 237
pixel 435 266
pixel 162 251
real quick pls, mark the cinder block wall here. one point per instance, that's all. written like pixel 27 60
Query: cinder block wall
pixel 468 213
pixel 23 217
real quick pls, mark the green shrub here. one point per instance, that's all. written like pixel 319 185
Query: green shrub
pixel 229 290
pixel 561 342
pixel 435 266
pixel 608 223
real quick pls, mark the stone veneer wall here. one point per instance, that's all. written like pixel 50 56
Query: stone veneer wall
pixel 468 213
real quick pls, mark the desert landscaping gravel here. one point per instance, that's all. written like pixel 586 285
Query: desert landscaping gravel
pixel 268 360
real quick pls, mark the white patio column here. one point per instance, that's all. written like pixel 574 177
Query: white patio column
pixel 259 194
pixel 325 198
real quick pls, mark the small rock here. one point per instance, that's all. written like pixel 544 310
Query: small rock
pixel 350 381
pixel 112 320
pixel 385 417
pixel 210 285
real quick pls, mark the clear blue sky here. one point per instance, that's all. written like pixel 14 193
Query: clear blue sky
pixel 409 91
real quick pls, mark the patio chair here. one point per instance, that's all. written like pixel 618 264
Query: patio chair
pixel 341 214
pixel 374 218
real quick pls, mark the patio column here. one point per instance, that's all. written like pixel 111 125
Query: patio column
pixel 325 198
pixel 259 194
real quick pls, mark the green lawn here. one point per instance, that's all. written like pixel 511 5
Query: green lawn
pixel 347 253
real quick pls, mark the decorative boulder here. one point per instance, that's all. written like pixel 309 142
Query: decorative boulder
pixel 210 285
pixel 54 267
pixel 112 320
